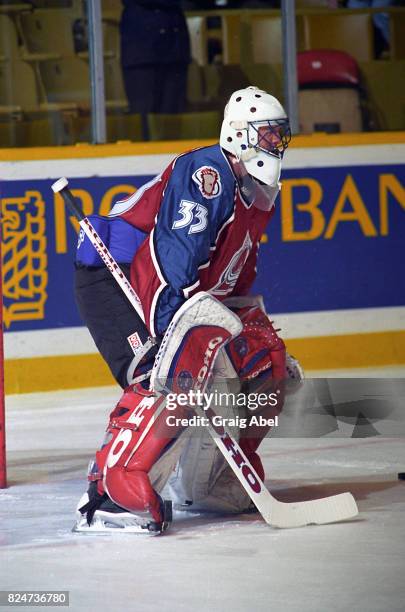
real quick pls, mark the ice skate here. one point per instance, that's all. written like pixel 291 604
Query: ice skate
pixel 99 514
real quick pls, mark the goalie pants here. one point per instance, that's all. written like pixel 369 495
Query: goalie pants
pixel 110 319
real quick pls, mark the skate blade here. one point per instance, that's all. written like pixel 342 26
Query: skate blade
pixel 116 524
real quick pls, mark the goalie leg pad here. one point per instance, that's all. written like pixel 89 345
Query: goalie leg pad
pixel 137 435
pixel 191 344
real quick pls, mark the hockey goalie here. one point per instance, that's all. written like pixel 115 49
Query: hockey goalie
pixel 188 241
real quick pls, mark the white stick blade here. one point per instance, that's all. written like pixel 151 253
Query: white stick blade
pixel 315 512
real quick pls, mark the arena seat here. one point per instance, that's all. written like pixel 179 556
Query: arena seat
pixel 49 31
pixel 397 27
pixel 266 76
pixel 53 3
pixel 220 81
pixel 11 7
pixel 8 39
pixel 255 38
pixel 46 130
pixel 111 9
pixel 196 96
pixel 33 122
pixel 231 39
pixel 120 126
pixel 349 32
pixel 312 4
pixel 9 133
pixel 18 87
pixel 381 80
pixel 66 80
pixel 329 110
pixel 329 92
pixel 184 126
pixel 266 40
pixel 80 129
pixel 124 127
pixel 52 34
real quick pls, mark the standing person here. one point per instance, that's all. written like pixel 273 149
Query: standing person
pixel 381 21
pixel 155 53
pixel 197 227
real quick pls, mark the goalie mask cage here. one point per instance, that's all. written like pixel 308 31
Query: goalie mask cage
pixel 3 477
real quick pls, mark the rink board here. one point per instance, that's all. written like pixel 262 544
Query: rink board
pixel 331 262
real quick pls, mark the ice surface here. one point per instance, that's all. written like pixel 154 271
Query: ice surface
pixel 205 563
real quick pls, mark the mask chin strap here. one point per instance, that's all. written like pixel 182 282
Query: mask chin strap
pixel 265 196
pixel 254 191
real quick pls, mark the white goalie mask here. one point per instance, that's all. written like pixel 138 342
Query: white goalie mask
pixel 256 130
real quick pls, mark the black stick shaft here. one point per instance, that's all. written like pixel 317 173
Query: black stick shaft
pixel 72 203
pixel 61 187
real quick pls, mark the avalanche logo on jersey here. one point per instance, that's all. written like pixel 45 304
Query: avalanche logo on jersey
pixel 208 181
pixel 231 273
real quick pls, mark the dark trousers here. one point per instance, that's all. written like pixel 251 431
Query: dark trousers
pixel 110 318
pixel 156 88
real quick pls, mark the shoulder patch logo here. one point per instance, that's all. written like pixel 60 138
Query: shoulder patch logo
pixel 208 181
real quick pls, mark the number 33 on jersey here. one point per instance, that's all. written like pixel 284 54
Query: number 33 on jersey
pixel 192 214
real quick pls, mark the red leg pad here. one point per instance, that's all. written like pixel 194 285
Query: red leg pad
pixel 137 434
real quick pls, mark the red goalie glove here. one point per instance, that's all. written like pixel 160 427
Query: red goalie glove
pixel 258 347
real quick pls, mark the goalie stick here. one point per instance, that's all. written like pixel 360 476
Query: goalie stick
pixel 330 509
pixel 139 349
pixel 276 513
